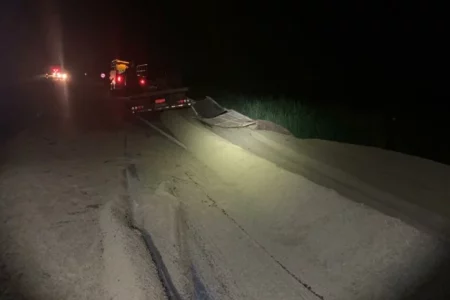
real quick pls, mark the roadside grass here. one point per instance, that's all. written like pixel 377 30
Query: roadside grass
pixel 305 119
pixel 401 131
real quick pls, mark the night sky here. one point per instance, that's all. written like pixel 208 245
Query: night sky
pixel 325 49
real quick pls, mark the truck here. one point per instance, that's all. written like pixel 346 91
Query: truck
pixel 142 92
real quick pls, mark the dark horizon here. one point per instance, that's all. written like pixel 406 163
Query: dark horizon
pixel 318 50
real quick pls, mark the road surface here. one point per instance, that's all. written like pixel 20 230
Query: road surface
pixel 65 158
pixel 57 171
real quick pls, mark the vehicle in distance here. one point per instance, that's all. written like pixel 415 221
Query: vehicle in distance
pixel 56 74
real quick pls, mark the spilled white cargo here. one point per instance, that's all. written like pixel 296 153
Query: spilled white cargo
pixel 337 248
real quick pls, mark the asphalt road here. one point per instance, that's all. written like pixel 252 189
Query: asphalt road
pixel 61 150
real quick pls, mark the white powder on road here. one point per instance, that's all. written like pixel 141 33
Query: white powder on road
pixel 239 228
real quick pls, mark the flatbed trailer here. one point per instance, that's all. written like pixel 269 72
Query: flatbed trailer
pixel 157 100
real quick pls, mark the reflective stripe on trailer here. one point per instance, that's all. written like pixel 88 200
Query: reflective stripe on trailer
pixel 135 109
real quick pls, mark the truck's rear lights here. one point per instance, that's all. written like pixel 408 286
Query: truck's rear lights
pixel 158 101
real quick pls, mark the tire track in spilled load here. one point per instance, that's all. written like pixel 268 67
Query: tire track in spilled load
pixel 131 172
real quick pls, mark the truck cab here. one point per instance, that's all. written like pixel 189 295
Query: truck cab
pixel 128 79
pixel 142 93
pixel 142 71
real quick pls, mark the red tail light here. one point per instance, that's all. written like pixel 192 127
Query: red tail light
pixel 119 78
pixel 157 101
pixel 142 81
